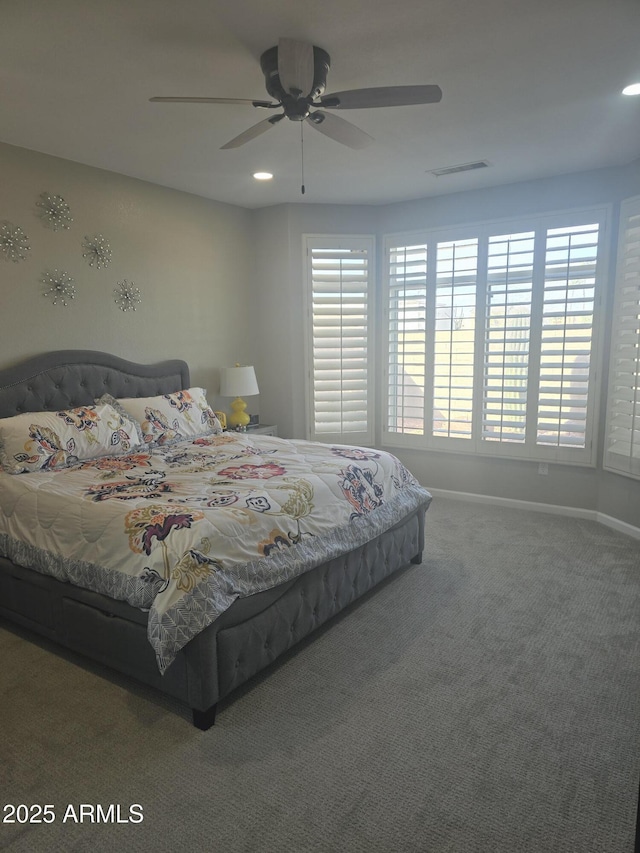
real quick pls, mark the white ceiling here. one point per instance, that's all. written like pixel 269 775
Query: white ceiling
pixel 531 86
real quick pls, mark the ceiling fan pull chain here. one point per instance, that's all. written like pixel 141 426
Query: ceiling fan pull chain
pixel 302 157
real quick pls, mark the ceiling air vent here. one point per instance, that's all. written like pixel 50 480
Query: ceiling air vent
pixel 463 167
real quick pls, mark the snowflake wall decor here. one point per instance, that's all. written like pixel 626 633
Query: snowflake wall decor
pixel 55 211
pixel 127 295
pixel 59 287
pixel 13 242
pixel 97 251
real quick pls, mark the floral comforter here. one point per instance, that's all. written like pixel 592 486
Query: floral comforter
pixel 184 530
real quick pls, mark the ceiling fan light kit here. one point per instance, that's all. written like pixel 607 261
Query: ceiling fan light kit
pixel 295 75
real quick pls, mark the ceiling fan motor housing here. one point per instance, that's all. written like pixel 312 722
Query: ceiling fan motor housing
pixel 296 109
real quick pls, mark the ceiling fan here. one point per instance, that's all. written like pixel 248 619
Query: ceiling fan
pixel 295 75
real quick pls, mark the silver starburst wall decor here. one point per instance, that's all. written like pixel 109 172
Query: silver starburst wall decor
pixel 55 212
pixel 14 243
pixel 97 251
pixel 127 295
pixel 58 287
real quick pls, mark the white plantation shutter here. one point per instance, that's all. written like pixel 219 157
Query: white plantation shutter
pixel 509 295
pixel 491 337
pixel 622 444
pixel 431 338
pixel 454 338
pixel 566 335
pixel 339 273
pixel 407 307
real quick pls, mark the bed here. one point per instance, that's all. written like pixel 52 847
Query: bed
pixel 196 616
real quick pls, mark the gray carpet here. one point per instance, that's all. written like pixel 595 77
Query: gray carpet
pixel 487 700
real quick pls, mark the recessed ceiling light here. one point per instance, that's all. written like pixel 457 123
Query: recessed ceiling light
pixel 262 176
pixel 633 89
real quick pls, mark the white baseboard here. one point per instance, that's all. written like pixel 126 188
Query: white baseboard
pixel 616 524
pixel 533 506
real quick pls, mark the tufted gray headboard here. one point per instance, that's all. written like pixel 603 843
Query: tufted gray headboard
pixel 65 379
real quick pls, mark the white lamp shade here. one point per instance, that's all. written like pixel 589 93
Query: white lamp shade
pixel 238 382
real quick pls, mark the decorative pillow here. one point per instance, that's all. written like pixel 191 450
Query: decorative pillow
pixel 36 441
pixel 112 401
pixel 172 417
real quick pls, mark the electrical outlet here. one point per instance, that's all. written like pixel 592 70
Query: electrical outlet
pixel 543 468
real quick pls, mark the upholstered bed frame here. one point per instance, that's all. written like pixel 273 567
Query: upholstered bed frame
pixel 247 637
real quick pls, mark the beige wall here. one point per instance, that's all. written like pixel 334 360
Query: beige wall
pixel 190 257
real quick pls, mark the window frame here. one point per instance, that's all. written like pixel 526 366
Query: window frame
pixel 623 464
pixel 540 225
pixel 366 242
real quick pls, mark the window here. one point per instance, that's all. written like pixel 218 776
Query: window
pixel 340 306
pixel 509 301
pixel 407 341
pixel 566 335
pixel 622 444
pixel 454 338
pixel 491 334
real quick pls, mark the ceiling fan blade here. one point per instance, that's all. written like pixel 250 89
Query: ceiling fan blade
pixel 257 130
pixel 296 67
pixel 265 104
pixel 339 129
pixel 382 96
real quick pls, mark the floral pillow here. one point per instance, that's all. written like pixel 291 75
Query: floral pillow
pixel 172 417
pixel 36 441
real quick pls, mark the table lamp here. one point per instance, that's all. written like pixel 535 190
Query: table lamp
pixel 238 382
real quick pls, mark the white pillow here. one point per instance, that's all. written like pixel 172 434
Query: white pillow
pixel 36 441
pixel 172 417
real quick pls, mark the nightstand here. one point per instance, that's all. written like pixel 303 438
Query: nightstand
pixel 263 429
